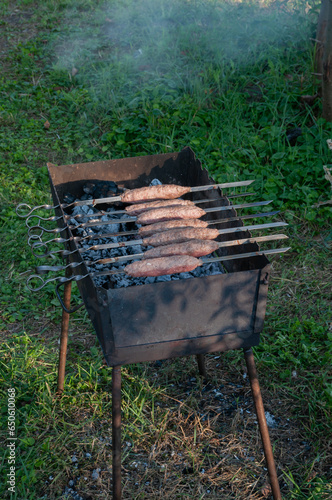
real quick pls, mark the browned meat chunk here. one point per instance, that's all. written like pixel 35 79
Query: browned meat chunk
pixel 162 214
pixel 144 207
pixel 195 248
pixel 158 227
pixel 162 192
pixel 162 266
pixel 180 235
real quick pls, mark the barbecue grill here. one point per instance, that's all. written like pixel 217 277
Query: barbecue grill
pixel 167 319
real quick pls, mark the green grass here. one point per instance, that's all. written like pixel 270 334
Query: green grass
pixel 126 78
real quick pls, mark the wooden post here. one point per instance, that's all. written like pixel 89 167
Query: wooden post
pixel 64 338
pixel 116 431
pixel 264 431
pixel 201 365
pixel 327 67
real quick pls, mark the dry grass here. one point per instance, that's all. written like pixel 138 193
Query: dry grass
pixel 202 440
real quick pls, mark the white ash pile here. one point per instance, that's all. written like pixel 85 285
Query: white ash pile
pixel 101 190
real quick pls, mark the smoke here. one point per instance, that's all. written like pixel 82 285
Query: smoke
pixel 163 47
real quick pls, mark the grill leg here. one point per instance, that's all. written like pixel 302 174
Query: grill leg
pixel 201 365
pixel 64 338
pixel 258 401
pixel 116 431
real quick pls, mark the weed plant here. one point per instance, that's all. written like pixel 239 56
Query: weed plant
pixel 84 81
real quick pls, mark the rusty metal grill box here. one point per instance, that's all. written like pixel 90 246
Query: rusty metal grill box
pixel 175 318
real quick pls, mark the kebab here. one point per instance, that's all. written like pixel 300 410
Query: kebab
pixel 142 231
pixel 130 209
pixel 143 207
pixel 102 213
pixel 136 209
pixel 172 224
pixel 138 195
pixel 177 264
pixel 139 208
pixel 152 217
pixel 157 266
pixel 179 235
pixel 162 266
pixel 165 214
pixel 194 248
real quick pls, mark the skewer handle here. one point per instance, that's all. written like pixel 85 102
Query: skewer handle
pixel 46 269
pixel 34 216
pixel 42 229
pixel 48 253
pixel 24 210
pixel 60 279
pixel 79 277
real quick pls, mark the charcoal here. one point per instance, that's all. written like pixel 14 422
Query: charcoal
pixel 115 226
pixel 185 276
pixel 68 198
pixel 101 189
pixel 89 187
pixel 105 189
pixel 161 279
pixel 86 197
pixel 150 280
pixel 109 228
pixel 83 210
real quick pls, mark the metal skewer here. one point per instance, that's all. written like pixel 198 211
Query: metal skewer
pixel 65 253
pixel 58 230
pixel 209 260
pixel 133 232
pixel 222 244
pixel 121 212
pixel 221 231
pixel 217 221
pixel 123 258
pixel 136 219
pixel 22 207
pixel 80 277
pixel 102 213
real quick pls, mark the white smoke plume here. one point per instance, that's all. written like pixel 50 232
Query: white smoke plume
pixel 122 46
